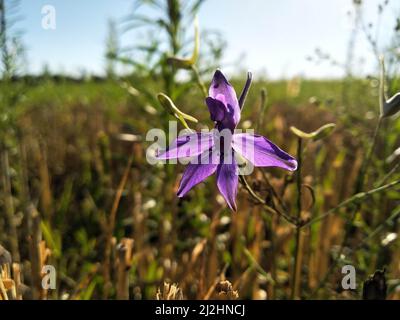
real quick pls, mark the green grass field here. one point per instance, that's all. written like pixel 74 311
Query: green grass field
pixel 85 215
pixel 73 161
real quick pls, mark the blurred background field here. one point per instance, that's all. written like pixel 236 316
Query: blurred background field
pixel 77 192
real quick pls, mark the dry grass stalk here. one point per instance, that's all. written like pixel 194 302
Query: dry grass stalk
pixel 109 228
pixel 124 261
pixel 218 279
pixel 17 279
pixel 169 292
pixel 46 196
pixel 9 203
pixel 39 253
pixel 7 284
pixel 3 291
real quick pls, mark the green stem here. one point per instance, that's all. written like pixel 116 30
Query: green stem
pixel 199 81
pixel 274 193
pixel 352 200
pixel 381 226
pixel 297 263
pixel 263 107
pixel 364 168
pixel 391 172
pixel 262 202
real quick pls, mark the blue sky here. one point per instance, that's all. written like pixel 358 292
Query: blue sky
pixel 270 37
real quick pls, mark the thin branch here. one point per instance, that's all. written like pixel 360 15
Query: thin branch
pixel 352 200
pixel 297 258
pixel 262 202
pixel 199 81
pixel 390 173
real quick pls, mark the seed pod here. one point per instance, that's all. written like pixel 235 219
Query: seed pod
pixel 170 107
pixel 188 63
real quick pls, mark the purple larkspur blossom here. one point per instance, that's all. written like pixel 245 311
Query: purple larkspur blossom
pixel 205 148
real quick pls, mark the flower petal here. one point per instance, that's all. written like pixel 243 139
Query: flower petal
pixel 262 152
pixel 245 90
pixel 217 109
pixel 188 145
pixel 196 173
pixel 223 91
pixel 227 182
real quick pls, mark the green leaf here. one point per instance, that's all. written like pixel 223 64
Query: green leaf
pixel 52 238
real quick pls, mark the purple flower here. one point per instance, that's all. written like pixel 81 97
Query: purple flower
pixel 205 148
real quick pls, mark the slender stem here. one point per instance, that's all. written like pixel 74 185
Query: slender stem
pixel 199 81
pixel 382 91
pixel 364 168
pixel 360 182
pixel 297 258
pixel 256 265
pixel 274 193
pixel 262 202
pixel 263 107
pixel 391 172
pixel 299 180
pixel 352 200
pixel 381 226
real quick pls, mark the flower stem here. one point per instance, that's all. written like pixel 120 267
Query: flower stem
pixel 364 167
pixel 274 193
pixel 297 257
pixel 391 172
pixel 352 200
pixel 263 108
pixel 199 81
pixel 262 202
